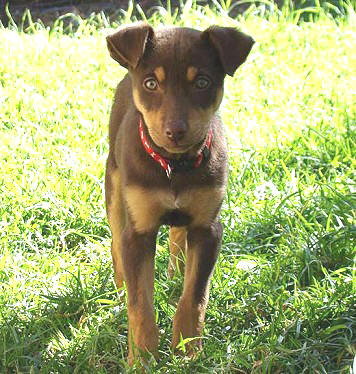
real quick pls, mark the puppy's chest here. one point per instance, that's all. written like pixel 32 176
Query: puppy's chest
pixel 175 210
pixel 171 200
pixel 149 208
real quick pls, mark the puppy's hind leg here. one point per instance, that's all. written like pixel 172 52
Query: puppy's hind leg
pixel 177 248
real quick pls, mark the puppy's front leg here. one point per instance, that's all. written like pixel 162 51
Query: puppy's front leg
pixel 202 252
pixel 138 252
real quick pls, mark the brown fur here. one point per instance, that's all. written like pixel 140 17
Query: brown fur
pixel 185 69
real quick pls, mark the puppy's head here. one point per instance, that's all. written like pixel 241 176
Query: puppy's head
pixel 177 77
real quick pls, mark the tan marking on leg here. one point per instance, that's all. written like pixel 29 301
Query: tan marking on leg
pixel 192 72
pixel 144 207
pixel 177 247
pixel 113 212
pixel 160 73
pixel 202 204
pixel 205 206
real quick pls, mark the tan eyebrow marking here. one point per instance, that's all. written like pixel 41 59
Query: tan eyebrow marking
pixel 160 73
pixel 191 73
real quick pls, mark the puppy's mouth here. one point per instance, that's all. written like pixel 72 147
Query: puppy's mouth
pixel 178 148
pixel 181 148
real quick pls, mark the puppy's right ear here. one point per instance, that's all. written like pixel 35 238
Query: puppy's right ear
pixel 128 43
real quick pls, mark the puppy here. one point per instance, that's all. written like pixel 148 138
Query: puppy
pixel 167 165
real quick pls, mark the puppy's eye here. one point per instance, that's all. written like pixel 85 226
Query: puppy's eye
pixel 202 83
pixel 151 84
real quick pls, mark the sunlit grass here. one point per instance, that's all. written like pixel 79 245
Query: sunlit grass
pixel 282 297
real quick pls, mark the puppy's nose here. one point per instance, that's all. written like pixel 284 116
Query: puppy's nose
pixel 176 130
pixel 175 135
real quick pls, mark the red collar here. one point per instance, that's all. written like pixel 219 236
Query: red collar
pixel 176 165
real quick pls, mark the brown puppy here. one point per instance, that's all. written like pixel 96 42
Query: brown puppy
pixel 168 165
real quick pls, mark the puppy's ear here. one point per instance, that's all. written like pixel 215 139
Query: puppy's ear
pixel 128 43
pixel 233 46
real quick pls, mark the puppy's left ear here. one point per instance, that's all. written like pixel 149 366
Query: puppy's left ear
pixel 233 46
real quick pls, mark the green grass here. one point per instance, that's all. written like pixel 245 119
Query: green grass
pixel 283 294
